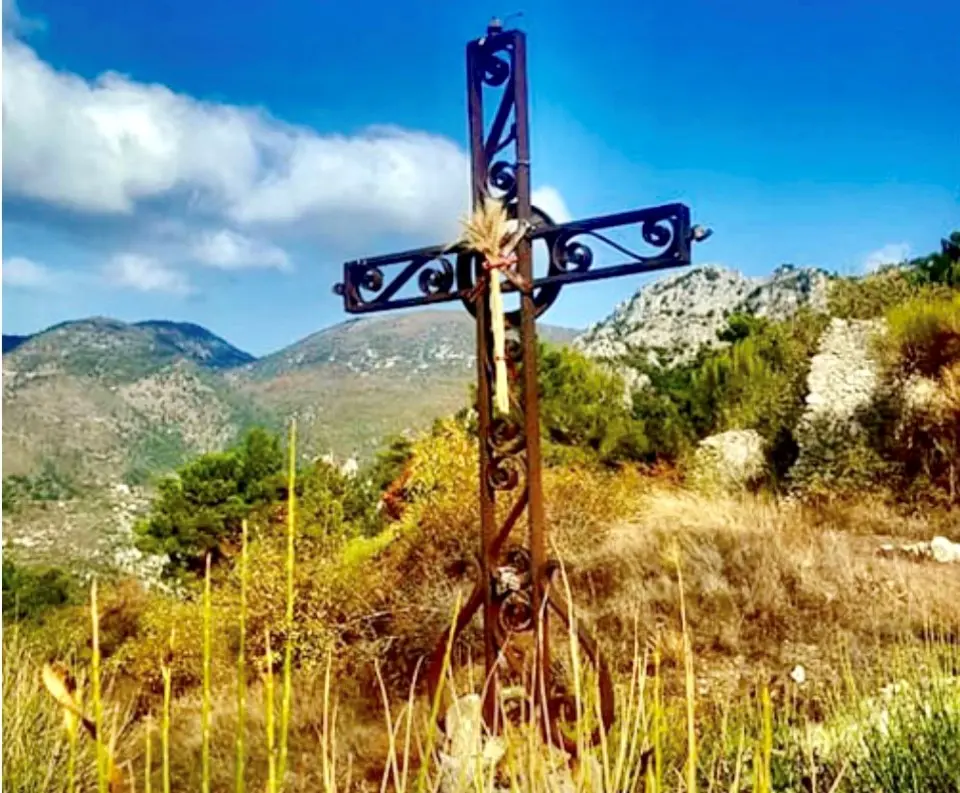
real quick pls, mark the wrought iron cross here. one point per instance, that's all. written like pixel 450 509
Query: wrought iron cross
pixel 514 590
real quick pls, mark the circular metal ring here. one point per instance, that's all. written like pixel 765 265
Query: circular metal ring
pixel 470 267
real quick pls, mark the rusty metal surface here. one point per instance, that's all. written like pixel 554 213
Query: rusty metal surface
pixel 516 588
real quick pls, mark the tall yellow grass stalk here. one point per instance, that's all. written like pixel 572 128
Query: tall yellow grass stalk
pixel 690 684
pixel 328 747
pixel 270 716
pixel 167 673
pixel 288 626
pixel 242 662
pixel 148 754
pixel 658 727
pixel 72 735
pixel 97 698
pixel 205 707
pixel 763 783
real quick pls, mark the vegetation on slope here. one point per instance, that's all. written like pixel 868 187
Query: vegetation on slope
pixel 766 587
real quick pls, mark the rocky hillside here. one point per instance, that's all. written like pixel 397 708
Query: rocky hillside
pixel 118 351
pixel 674 316
pixel 94 409
pixel 351 385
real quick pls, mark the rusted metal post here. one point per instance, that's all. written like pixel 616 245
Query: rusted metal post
pixel 488 528
pixel 531 397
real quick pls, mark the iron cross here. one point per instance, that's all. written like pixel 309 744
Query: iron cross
pixel 514 590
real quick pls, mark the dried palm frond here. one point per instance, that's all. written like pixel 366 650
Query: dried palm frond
pixel 487 230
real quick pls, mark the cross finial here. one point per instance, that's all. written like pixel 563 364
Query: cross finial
pixel 496 23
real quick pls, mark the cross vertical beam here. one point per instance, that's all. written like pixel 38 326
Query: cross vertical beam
pixel 488 528
pixel 514 591
pixel 479 54
pixel 531 400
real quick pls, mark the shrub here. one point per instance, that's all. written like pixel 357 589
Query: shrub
pixel 757 382
pixel 29 592
pixel 333 506
pixel 582 405
pixel 200 509
pixel 923 336
pixel 874 295
pixel 918 416
pixel 760 381
pixel 844 460
pixel 48 484
pixel 389 462
pixel 939 268
pixel 904 739
pixel 871 296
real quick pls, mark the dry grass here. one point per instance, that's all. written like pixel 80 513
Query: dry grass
pixel 768 585
pixel 662 742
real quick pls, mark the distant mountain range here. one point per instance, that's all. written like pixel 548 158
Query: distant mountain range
pixel 102 401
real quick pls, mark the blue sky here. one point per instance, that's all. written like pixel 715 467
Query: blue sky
pixel 215 162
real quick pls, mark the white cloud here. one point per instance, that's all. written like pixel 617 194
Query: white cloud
pixel 145 274
pixel 550 201
pixel 230 250
pixel 108 145
pixel 24 273
pixel 892 253
pixel 228 185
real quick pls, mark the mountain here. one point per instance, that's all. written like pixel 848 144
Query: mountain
pixel 355 383
pixel 674 316
pixel 108 348
pixel 405 344
pixel 94 406
pixel 100 401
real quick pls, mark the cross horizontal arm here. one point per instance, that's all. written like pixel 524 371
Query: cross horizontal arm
pixel 445 273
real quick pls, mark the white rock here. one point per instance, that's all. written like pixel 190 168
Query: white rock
pixel 939 549
pixel 470 755
pixel 730 460
pixel 944 551
pixel 843 374
pixel 799 675
pixel 844 378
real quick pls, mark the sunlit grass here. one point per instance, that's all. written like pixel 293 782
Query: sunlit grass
pixel 658 744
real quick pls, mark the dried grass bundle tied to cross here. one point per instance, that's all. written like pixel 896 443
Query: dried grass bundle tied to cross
pixel 490 232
